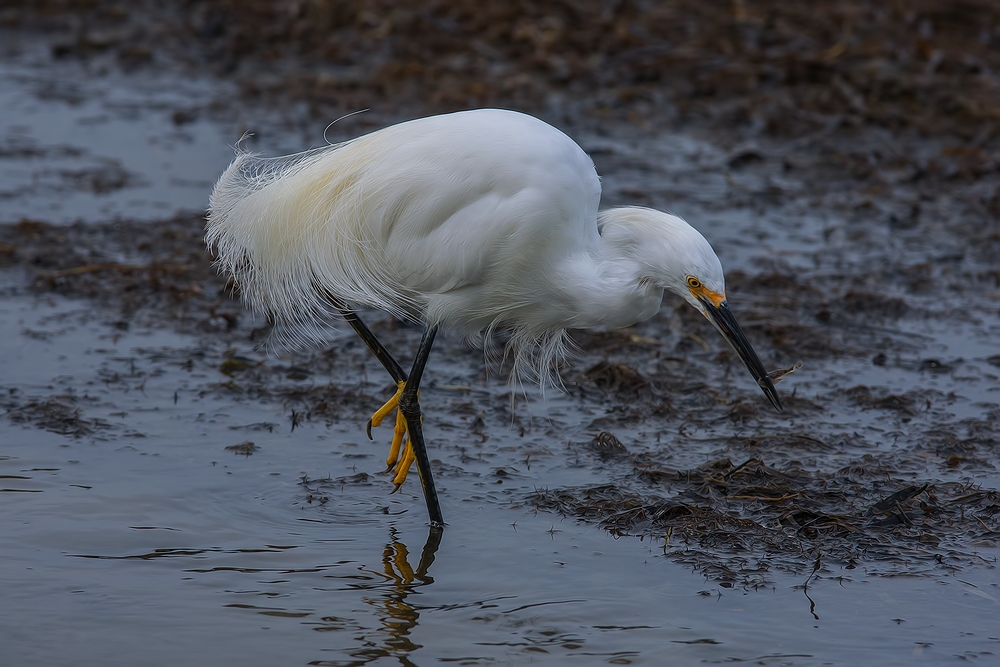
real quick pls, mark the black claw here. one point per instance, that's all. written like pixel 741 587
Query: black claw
pixel 368 430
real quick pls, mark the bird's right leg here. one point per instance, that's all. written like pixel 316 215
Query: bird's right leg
pixel 398 431
pixel 416 450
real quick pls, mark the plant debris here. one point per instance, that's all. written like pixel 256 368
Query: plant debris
pixel 244 448
pixel 737 524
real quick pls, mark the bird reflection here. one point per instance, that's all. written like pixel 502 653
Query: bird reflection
pixel 399 617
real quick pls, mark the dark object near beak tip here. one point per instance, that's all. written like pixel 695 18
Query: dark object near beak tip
pixel 724 320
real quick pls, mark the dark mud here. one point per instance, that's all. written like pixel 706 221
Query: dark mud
pixel 842 157
pixel 776 67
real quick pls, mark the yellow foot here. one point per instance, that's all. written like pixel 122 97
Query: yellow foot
pixel 403 469
pixel 384 411
pixel 400 441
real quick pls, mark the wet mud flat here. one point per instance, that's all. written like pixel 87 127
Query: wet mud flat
pixel 896 476
pixel 843 160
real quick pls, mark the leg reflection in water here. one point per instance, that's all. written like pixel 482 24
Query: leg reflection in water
pixel 395 558
pixel 399 617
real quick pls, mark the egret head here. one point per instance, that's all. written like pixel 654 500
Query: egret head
pixel 675 256
pixel 704 287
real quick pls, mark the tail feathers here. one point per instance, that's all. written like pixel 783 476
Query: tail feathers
pixel 292 232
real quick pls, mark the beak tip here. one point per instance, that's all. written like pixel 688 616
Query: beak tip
pixel 772 394
pixel 722 317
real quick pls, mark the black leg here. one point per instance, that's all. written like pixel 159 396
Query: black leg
pixel 377 348
pixel 409 406
pixel 373 344
pixel 408 398
pixel 427 555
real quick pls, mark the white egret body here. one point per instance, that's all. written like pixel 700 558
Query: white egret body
pixel 476 221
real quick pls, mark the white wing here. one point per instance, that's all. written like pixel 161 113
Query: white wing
pixel 455 219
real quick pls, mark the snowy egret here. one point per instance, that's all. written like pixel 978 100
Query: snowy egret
pixel 476 221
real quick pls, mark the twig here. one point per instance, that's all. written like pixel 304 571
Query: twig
pixel 740 467
pixel 770 499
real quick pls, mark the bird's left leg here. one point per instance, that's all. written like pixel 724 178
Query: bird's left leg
pixel 416 449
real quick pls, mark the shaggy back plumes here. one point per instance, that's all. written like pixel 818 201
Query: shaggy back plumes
pixel 277 226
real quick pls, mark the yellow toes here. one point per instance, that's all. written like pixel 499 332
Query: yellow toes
pixel 384 411
pixel 398 436
pixel 403 469
pixel 400 441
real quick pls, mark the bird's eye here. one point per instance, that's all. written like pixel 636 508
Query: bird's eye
pixel 693 282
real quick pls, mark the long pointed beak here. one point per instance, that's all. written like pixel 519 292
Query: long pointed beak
pixel 724 320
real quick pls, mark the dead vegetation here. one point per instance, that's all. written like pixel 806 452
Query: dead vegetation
pixel 739 524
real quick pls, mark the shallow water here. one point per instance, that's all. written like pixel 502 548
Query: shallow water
pixel 82 146
pixel 132 536
pixel 147 542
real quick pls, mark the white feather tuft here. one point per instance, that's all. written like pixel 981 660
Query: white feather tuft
pixel 291 232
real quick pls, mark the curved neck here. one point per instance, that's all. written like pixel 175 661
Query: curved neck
pixel 604 286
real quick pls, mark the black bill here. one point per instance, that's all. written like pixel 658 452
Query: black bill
pixel 724 320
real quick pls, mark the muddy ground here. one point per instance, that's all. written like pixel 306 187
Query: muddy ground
pixel 869 129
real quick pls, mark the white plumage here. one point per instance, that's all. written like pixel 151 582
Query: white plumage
pixel 480 220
